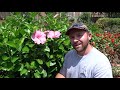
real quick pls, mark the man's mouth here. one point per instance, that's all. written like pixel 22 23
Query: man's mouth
pixel 77 45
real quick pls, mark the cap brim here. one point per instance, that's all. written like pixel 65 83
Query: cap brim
pixel 68 31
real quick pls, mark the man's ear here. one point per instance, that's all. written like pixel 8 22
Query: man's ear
pixel 89 36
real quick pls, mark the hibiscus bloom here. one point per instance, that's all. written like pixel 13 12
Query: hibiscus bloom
pixel 53 34
pixel 57 34
pixel 39 37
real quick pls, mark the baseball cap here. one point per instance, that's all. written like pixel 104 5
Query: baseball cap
pixel 79 26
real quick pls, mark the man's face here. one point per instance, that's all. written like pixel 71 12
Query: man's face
pixel 79 39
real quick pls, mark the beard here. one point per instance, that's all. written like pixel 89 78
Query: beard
pixel 80 48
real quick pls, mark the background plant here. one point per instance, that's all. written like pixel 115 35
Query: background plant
pixel 109 24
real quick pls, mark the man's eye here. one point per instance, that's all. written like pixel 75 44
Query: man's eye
pixel 71 37
pixel 79 35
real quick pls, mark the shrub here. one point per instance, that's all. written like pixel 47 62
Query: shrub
pixel 109 24
pixel 21 57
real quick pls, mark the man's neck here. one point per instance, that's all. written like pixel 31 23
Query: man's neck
pixel 86 51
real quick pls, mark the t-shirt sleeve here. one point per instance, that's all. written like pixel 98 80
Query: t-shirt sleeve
pixel 63 70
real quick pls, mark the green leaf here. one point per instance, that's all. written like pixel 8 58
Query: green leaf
pixel 48 64
pixel 39 61
pixel 4 57
pixel 25 49
pixel 1 44
pixel 27 31
pixel 5 40
pixel 27 65
pixel 32 65
pixel 52 70
pixel 22 66
pixel 47 49
pixel 14 59
pixel 44 73
pixel 23 71
pixel 11 44
pixel 37 75
pixel 67 42
pixel 51 56
pixel 47 54
pixel 61 47
pixel 26 24
pixel 21 41
pixel 31 45
pixel 52 64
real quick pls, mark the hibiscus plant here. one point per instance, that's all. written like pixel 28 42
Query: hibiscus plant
pixel 33 48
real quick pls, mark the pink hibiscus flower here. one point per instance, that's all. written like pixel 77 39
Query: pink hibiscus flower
pixel 53 34
pixel 39 37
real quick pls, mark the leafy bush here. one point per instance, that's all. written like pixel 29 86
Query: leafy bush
pixel 109 24
pixel 21 57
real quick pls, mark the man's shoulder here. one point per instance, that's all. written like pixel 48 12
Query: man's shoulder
pixel 98 52
pixel 70 53
pixel 100 56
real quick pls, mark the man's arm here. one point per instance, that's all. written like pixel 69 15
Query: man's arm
pixel 59 76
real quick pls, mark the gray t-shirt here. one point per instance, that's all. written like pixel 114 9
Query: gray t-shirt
pixel 93 65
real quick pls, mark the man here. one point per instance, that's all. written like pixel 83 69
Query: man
pixel 84 61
